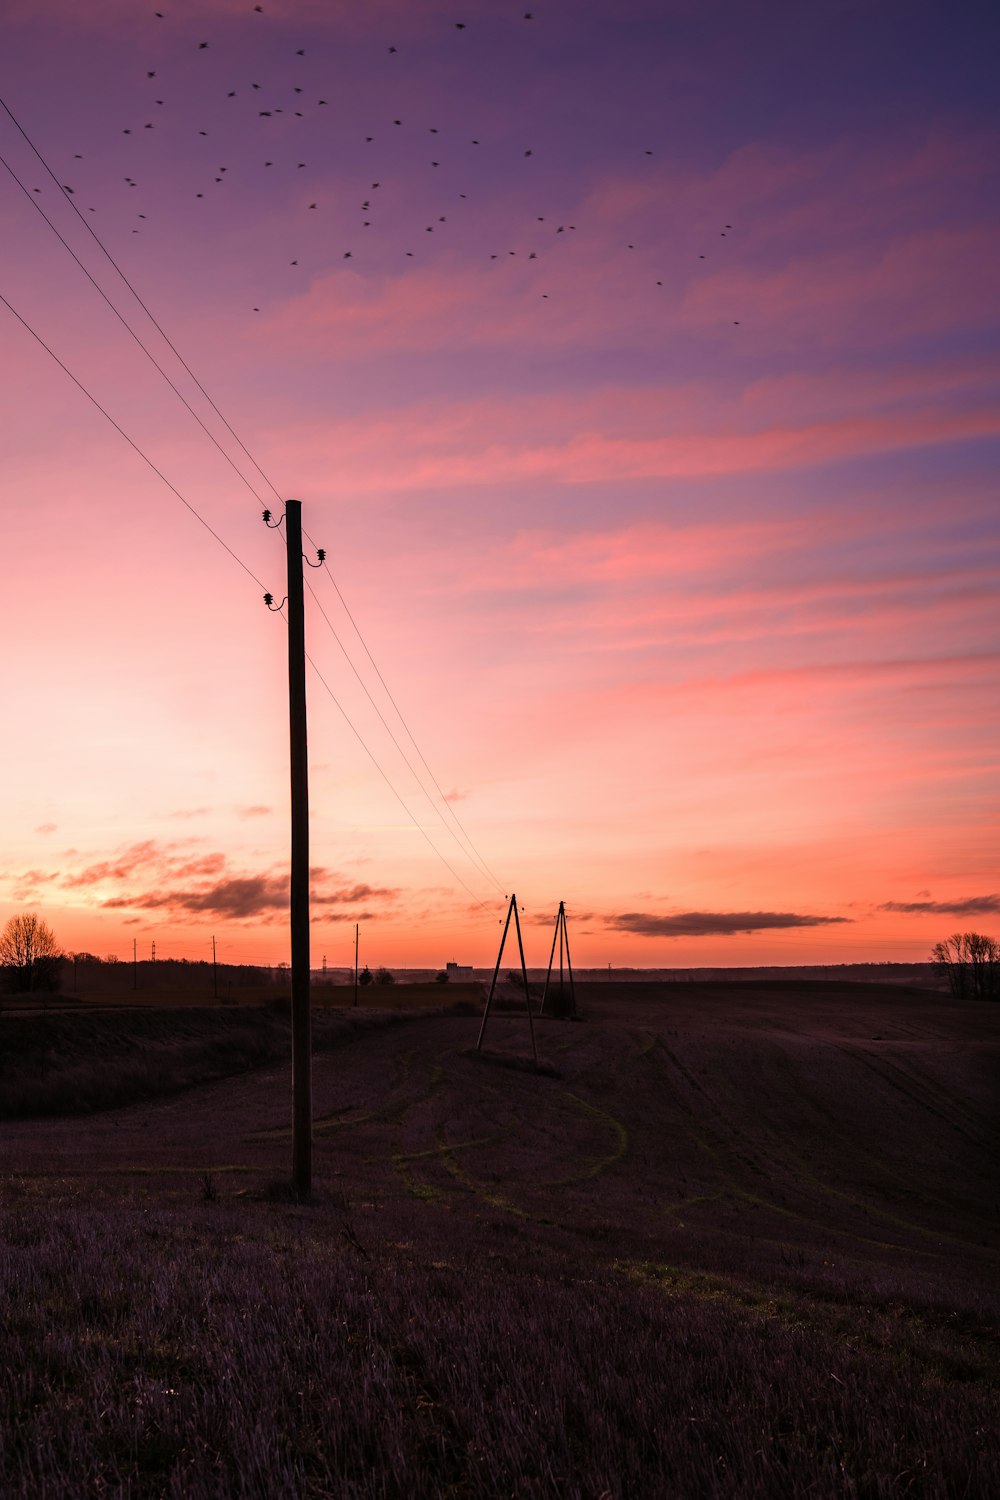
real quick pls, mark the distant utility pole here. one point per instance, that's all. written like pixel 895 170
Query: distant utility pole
pixel 355 963
pixel 153 952
pixel 135 966
pixel 215 973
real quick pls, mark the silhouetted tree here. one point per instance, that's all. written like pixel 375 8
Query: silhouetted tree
pixel 365 977
pixel 29 954
pixel 384 976
pixel 970 961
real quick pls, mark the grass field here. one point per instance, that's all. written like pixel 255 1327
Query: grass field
pixel 733 1240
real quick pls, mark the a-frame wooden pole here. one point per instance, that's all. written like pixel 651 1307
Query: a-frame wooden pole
pixel 524 979
pixel 548 972
pixel 299 763
pixel 496 971
pixel 560 934
pixel 569 961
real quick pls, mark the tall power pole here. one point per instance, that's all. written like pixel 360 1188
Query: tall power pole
pixel 299 764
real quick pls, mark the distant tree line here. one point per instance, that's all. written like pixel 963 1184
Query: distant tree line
pixel 970 961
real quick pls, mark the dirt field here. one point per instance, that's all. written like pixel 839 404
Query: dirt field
pixel 747 1116
pixel 822 1156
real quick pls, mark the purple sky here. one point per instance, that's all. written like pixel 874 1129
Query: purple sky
pixel 674 533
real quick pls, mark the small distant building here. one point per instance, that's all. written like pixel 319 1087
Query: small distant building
pixel 459 973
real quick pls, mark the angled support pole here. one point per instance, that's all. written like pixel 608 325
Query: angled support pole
pixel 561 934
pixel 511 911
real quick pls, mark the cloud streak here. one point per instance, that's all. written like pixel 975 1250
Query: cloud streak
pixel 967 906
pixel 713 923
pixel 183 884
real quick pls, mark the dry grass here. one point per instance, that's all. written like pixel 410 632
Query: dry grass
pixel 731 1246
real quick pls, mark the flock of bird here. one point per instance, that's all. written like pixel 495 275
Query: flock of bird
pixel 271 101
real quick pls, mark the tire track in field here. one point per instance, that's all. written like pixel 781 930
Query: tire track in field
pixel 792 1165
pixel 346 1117
pixel 924 1093
pixel 512 1120
pixel 874 1163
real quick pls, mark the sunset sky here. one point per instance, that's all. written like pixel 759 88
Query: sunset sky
pixel 637 366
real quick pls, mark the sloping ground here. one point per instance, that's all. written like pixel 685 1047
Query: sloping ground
pixel 734 1241
pixel 75 1062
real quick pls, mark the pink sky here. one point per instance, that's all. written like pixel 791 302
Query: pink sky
pixel 674 534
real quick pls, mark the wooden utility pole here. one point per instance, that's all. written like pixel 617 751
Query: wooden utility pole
pixel 562 933
pixel 299 764
pixel 511 912
pixel 356 963
pixel 215 973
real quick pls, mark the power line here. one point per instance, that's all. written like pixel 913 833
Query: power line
pixel 130 330
pixel 399 714
pixel 419 826
pixel 106 252
pixel 406 761
pixel 175 491
pixel 470 850
pixel 132 444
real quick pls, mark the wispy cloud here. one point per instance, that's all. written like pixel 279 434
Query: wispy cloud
pixel 713 923
pixel 966 906
pixel 183 882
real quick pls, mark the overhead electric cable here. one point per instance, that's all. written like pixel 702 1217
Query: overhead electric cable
pixel 406 760
pixel 419 826
pixel 130 330
pixel 470 851
pixel 106 252
pixel 131 442
pixel 174 490
pixel 402 720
